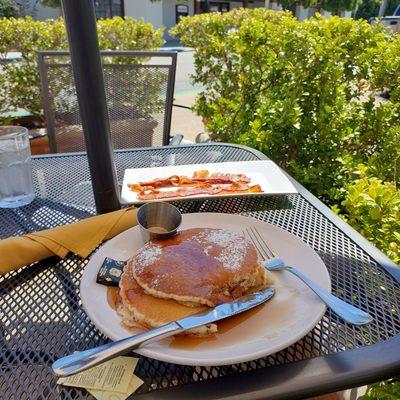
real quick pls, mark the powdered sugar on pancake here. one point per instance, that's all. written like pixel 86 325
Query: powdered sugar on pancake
pixel 233 243
pixel 148 254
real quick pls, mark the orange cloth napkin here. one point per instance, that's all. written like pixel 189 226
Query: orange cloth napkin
pixel 81 238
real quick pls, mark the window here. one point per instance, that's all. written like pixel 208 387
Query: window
pixel 214 6
pixel 109 8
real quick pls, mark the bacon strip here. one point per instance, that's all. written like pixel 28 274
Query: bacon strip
pixel 154 194
pixel 199 178
pixel 200 183
pixel 173 180
pixel 233 177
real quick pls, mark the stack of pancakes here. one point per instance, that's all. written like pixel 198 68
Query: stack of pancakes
pixel 197 268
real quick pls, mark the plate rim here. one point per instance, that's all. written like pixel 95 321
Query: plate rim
pixel 176 359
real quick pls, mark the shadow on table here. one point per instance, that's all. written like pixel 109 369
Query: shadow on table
pixel 236 205
pixel 43 313
pixel 362 282
pixel 37 215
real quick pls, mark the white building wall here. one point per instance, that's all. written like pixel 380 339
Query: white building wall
pixel 37 11
pixel 235 4
pixel 149 11
pixel 310 12
pixel 301 13
pixel 47 12
pixel 169 13
pixel 345 14
pixel 163 13
pixel 326 14
pixel 257 4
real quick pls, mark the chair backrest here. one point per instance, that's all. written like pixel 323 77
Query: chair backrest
pixel 139 89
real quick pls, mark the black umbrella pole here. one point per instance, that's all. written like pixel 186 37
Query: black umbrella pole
pixel 80 22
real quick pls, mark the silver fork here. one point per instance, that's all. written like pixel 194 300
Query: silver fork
pixel 272 262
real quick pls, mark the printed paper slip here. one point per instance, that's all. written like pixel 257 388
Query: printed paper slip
pixel 103 395
pixel 114 376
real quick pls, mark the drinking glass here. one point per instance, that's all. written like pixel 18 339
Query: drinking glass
pixel 16 186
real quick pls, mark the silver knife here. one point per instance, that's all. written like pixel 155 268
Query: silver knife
pixel 79 362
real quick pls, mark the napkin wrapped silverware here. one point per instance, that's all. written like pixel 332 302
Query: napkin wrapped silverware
pixel 80 237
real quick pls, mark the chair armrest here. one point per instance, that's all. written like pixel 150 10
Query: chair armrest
pixel 176 140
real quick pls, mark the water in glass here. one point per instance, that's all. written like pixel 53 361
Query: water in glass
pixel 16 187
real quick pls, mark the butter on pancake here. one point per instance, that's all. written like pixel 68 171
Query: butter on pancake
pixel 199 266
pixel 136 307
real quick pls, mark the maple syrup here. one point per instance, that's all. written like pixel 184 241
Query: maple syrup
pixel 264 321
pixel 112 296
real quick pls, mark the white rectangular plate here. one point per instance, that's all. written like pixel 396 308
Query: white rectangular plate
pixel 263 172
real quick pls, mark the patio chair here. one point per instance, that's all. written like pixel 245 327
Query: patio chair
pixel 139 91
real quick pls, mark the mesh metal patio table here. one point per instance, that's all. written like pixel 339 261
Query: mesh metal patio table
pixel 42 318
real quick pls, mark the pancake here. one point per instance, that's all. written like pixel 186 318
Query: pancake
pixel 136 307
pixel 200 266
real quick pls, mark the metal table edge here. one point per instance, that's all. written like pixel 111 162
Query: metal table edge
pixel 383 261
pixel 178 146
pixel 297 380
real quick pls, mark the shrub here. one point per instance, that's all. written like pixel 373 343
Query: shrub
pixel 386 68
pixel 374 141
pixel 369 8
pixel 19 80
pixel 384 391
pixel 373 208
pixel 385 164
pixel 9 8
pixel 337 6
pixel 301 92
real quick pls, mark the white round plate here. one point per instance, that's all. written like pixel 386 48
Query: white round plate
pixel 287 317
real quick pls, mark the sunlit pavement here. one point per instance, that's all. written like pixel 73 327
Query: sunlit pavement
pixel 185 121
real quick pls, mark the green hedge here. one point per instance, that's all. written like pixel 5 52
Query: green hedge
pixel 384 391
pixel 8 8
pixel 304 93
pixel 373 208
pixel 19 80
